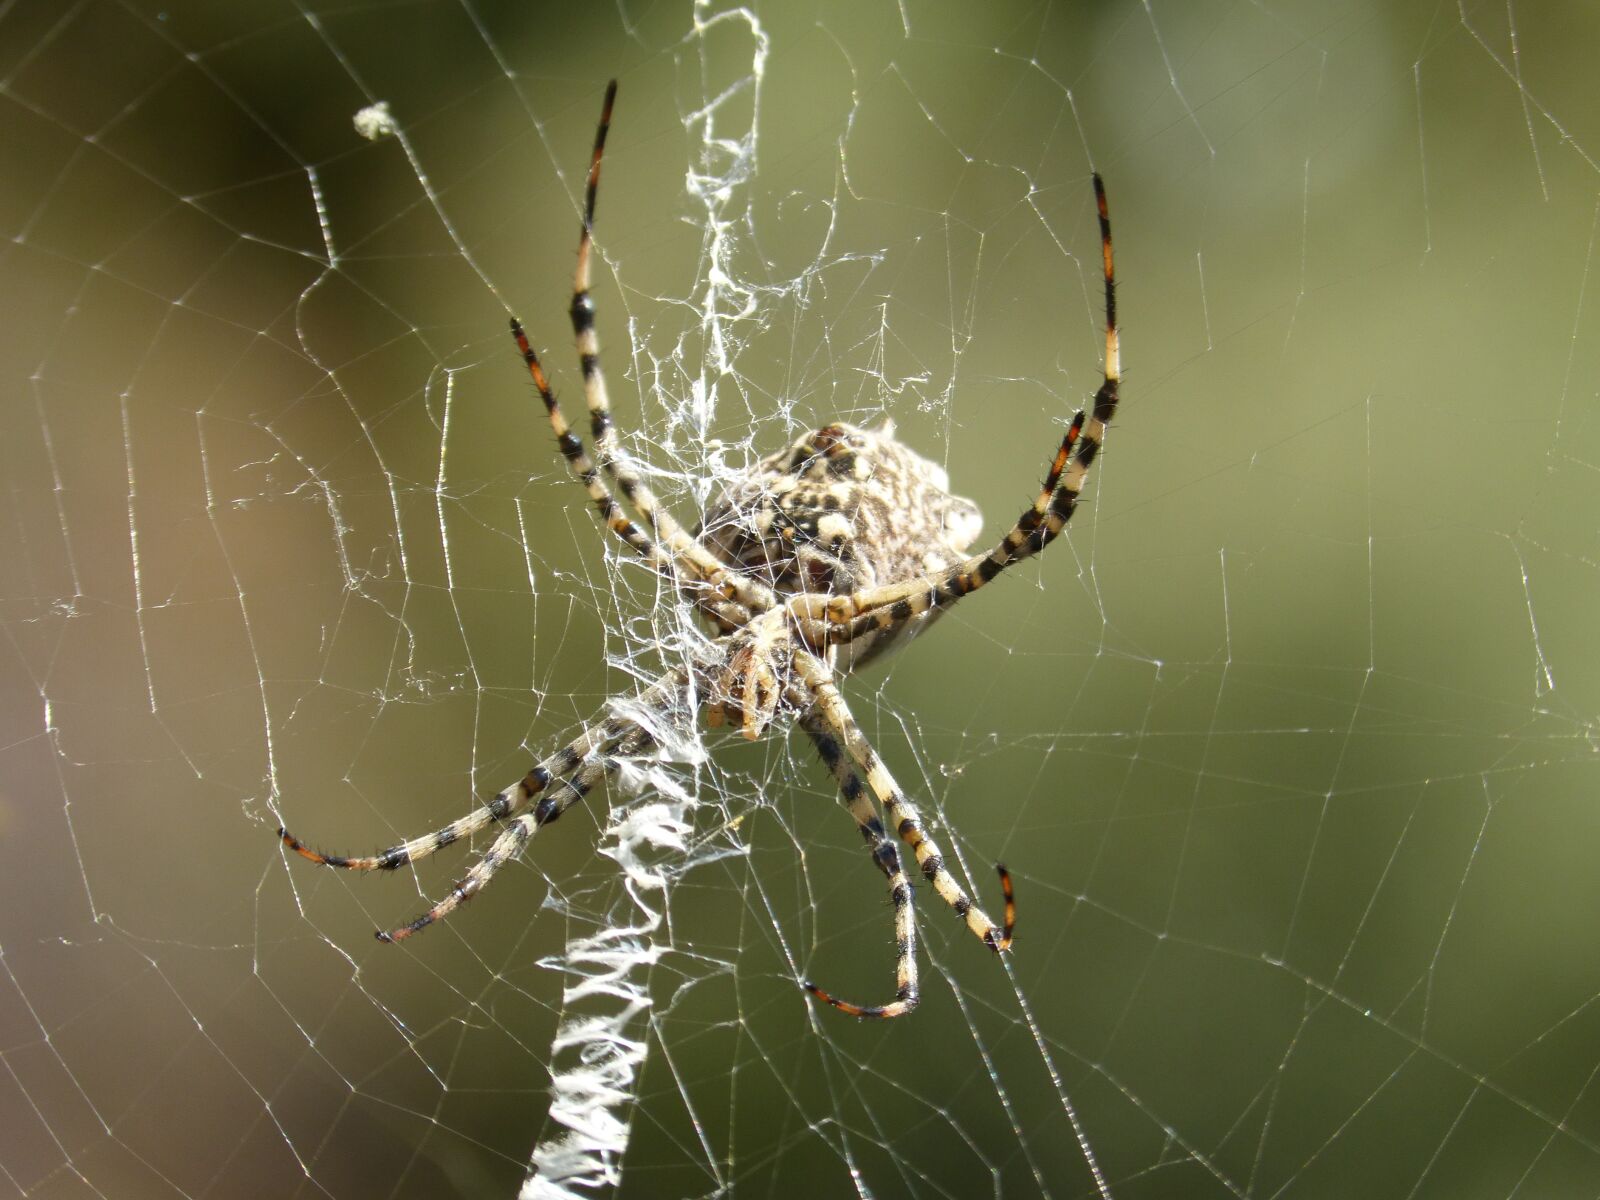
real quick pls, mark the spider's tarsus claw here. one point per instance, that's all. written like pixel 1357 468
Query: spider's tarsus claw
pixel 305 851
pixel 390 936
pixel 1003 941
pixel 901 1007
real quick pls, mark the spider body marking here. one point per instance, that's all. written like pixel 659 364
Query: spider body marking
pixel 817 560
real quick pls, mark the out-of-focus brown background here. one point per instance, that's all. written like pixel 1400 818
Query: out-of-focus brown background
pixel 1291 750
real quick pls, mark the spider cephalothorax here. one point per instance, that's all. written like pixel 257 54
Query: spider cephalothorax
pixel 812 563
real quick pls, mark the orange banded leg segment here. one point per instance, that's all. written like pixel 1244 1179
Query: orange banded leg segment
pixel 887 857
pixel 900 813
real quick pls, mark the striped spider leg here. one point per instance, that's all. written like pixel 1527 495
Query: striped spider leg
pixel 562 780
pixel 666 529
pixel 837 737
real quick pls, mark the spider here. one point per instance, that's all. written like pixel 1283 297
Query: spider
pixel 818 560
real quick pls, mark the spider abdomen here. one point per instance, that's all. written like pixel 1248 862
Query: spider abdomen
pixel 842 509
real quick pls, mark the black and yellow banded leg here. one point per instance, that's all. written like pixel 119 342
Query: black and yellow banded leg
pixel 563 762
pixel 520 829
pixel 887 856
pixel 900 814
pixel 677 569
pixel 735 585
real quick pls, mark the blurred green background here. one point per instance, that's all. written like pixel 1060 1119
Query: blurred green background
pixel 1291 749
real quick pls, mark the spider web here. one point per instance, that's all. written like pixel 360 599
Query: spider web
pixel 1290 747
